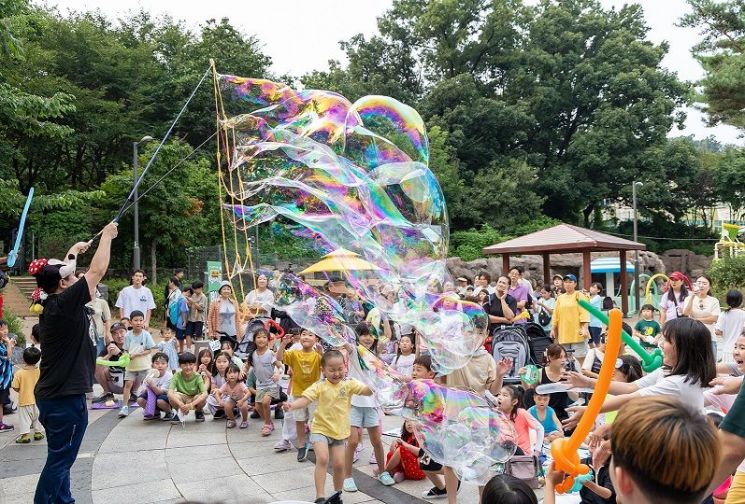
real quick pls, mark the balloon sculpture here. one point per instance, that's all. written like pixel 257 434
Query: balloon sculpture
pixel 565 451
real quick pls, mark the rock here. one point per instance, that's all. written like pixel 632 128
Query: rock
pixel 686 261
pixel 533 265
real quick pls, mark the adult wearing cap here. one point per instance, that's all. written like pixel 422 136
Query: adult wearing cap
pixel 111 378
pixel 223 318
pixel 673 300
pixel 68 360
pixel 571 324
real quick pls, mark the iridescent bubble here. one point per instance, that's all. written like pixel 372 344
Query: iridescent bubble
pixel 354 176
pixel 460 429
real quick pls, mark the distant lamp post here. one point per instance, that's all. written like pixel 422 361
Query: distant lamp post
pixel 634 185
pixel 136 263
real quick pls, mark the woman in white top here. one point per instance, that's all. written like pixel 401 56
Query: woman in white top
pixel 223 318
pixel 672 301
pixel 259 301
pixel 688 367
pixel 704 307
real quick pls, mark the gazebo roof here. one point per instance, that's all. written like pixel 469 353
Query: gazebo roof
pixel 563 239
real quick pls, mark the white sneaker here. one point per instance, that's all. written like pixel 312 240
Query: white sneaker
pixel 123 411
pixel 283 446
pixel 373 460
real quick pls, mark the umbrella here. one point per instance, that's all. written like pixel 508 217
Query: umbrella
pixel 340 260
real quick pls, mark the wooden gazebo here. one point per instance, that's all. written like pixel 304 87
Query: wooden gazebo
pixel 568 239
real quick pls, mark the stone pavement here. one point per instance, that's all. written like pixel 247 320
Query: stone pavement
pixel 132 461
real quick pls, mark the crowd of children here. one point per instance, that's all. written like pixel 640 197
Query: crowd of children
pixel 329 402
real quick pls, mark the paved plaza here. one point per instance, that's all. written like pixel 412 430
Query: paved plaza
pixel 132 461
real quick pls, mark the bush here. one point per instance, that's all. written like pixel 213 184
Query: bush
pixel 728 273
pixel 468 244
pixel 15 326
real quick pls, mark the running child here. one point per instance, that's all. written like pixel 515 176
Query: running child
pixel 331 422
pixel 268 371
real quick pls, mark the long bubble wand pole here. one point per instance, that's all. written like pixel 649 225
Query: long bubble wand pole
pixel 565 451
pixel 130 199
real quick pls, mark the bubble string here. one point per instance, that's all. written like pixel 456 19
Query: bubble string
pixel 565 451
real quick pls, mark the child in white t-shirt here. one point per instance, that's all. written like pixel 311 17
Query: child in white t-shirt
pixel 730 324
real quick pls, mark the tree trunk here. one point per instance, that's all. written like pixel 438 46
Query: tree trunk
pixel 153 263
pixel 586 213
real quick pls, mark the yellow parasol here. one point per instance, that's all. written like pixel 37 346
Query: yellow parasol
pixel 340 260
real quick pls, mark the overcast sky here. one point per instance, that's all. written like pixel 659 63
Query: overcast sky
pixel 302 35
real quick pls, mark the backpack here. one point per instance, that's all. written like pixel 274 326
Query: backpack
pixel 511 342
pixel 174 311
pixel 544 318
pixel 538 341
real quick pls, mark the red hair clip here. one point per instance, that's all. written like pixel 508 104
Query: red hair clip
pixel 36 266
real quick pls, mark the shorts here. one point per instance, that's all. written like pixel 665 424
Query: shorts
pixel 272 392
pixel 195 329
pixel 595 333
pixel 180 334
pixel 580 349
pixel 302 414
pixel 320 438
pixel 161 397
pixel 4 395
pixel 186 399
pixel 137 376
pixel 364 416
pixel 427 464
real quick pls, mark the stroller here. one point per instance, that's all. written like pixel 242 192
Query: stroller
pixel 511 342
pixel 246 346
pixel 538 341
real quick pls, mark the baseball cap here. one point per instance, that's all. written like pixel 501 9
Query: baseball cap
pixel 677 275
pixel 570 277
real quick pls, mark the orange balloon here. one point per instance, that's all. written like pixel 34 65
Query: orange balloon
pixel 565 451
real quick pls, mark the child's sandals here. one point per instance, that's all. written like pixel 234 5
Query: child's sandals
pixel 231 424
pixel 267 429
pixel 244 425
pixel 23 439
pixel 38 436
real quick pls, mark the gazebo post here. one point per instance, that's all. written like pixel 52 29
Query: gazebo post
pixel 505 263
pixel 586 273
pixel 546 268
pixel 624 285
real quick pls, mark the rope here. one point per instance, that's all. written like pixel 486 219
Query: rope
pixel 130 199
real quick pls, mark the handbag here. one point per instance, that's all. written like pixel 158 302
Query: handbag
pixel 524 467
pixel 544 318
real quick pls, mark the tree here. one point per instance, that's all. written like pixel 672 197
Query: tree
pixel 722 54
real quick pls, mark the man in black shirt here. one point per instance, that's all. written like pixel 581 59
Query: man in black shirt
pixel 501 307
pixel 68 343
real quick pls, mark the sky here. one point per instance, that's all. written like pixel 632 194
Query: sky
pixel 302 35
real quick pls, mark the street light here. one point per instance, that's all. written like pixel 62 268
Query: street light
pixel 135 163
pixel 634 185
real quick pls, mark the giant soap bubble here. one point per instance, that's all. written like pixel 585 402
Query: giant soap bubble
pixel 354 176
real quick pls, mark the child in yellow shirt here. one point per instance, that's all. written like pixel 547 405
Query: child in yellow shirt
pixel 24 383
pixel 331 422
pixel 305 364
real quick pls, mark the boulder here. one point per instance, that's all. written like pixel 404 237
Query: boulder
pixel 686 261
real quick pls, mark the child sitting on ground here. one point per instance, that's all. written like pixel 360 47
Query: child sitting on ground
pixel 268 371
pixel 187 391
pixel 401 460
pixel 546 415
pixel 222 362
pixel 511 404
pixel 137 343
pixel 331 426
pixel 234 394
pixel 156 385
pixel 305 365
pixel 24 382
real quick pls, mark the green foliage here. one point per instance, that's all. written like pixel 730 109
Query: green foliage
pixel 468 244
pixel 15 326
pixel 728 273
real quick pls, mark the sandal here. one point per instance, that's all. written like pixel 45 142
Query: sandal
pixel 23 439
pixel 38 436
pixel 231 424
pixel 267 429
pixel 244 425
